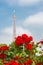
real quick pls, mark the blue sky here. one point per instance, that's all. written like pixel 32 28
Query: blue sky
pixel 29 19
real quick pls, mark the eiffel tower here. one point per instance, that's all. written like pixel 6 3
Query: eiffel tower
pixel 14 26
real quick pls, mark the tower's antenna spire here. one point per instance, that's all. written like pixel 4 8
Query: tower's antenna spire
pixel 14 25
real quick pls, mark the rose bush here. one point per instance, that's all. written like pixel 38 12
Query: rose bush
pixel 22 51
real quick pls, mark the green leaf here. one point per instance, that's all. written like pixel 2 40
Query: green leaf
pixel 33 63
pixel 1 62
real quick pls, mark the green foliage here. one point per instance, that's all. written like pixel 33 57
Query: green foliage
pixel 1 62
pixel 18 51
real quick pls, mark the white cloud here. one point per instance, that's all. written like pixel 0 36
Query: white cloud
pixel 28 2
pixel 19 30
pixel 34 19
pixel 8 37
pixel 21 2
pixel 8 30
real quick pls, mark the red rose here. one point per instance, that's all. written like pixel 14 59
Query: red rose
pixel 29 61
pixel 38 64
pixel 4 48
pixel 16 57
pixel 25 63
pixel 12 62
pixel 19 41
pixel 41 41
pixel 29 46
pixel 21 58
pixel 25 38
pixel 2 56
pixel 30 38
pixel 6 64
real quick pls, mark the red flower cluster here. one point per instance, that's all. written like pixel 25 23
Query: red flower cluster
pixel 28 62
pixel 4 48
pixel 21 58
pixel 11 63
pixel 23 39
pixel 2 56
pixel 29 46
